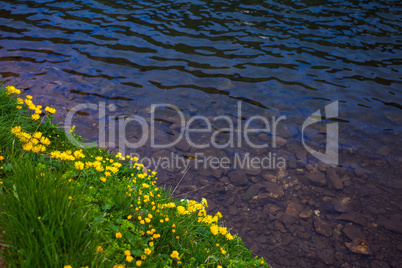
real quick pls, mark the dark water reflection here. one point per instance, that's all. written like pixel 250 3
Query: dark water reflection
pixel 277 58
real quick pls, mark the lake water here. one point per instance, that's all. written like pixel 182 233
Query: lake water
pixel 235 63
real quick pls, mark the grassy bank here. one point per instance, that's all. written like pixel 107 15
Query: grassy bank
pixel 63 206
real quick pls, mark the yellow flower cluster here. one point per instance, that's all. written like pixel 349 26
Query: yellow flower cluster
pixel 33 107
pixel 28 102
pixel 50 110
pixel 68 155
pixel 12 89
pixel 1 167
pixel 203 217
pixel 35 142
pixel 129 258
pixel 108 166
pixel 175 255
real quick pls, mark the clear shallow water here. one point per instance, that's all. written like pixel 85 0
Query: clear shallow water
pixel 285 58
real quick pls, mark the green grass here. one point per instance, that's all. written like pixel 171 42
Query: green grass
pixel 67 206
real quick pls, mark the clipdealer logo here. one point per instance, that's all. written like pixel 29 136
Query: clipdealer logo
pixel 236 135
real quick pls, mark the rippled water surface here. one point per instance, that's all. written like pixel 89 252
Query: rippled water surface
pixel 265 58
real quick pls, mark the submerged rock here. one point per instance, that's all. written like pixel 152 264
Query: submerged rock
pixel 341 204
pixel 273 189
pixel 251 192
pixel 393 224
pixel 333 179
pixel 322 227
pixel 317 178
pixel 238 178
pixel 353 233
pixel 294 209
pixel 306 213
pixel 353 217
pixel 359 246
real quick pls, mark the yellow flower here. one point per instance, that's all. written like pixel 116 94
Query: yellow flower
pixel 181 210
pixel 79 154
pixel 70 197
pixel 147 251
pixel 29 97
pixel 79 165
pixel 37 135
pixel 138 263
pixel 214 229
pixel 103 179
pixel 38 148
pixel 223 230
pixel 99 249
pixel 223 251
pixel 151 244
pixel 72 129
pixel 174 255
pixel 129 217
pixel 50 110
pixel 45 141
pixel 219 266
pixel 27 147
pixel 1 158
pixel 229 236
pixel 127 252
pixel 12 89
pixel 35 116
pixel 68 266
pixel 129 258
pixel 119 235
pixel 16 129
